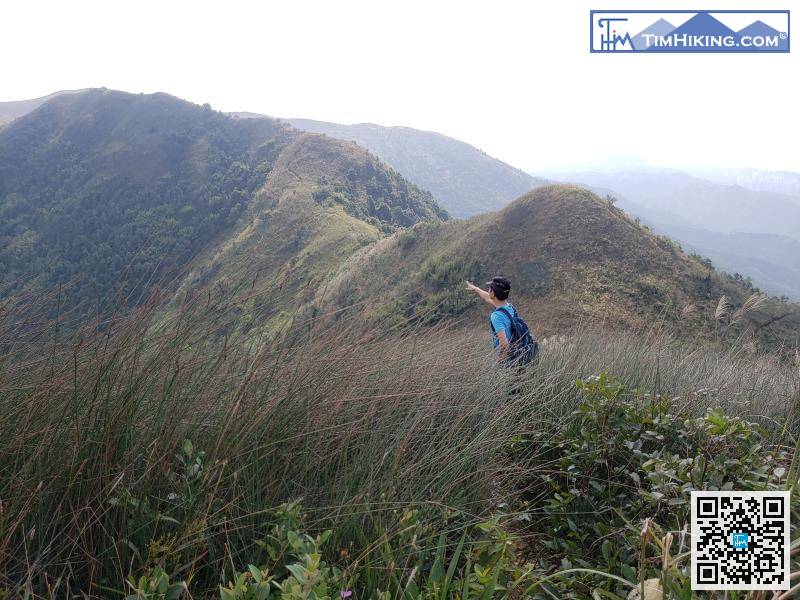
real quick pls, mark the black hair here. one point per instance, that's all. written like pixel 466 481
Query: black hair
pixel 501 287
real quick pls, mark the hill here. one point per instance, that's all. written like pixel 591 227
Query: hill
pixel 113 195
pixel 696 202
pixel 323 201
pixel 745 231
pixel 110 192
pixel 464 179
pixel 769 260
pixel 571 256
pixel 18 108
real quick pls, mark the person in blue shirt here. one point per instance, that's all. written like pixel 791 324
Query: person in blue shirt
pixel 496 294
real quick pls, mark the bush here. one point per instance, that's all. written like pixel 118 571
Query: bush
pixel 626 458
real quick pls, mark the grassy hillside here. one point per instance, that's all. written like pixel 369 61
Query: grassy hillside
pixel 323 201
pixel 107 192
pixel 464 179
pixel 699 203
pixel 156 460
pixel 571 257
pixel 753 233
pixel 302 413
pixel 111 195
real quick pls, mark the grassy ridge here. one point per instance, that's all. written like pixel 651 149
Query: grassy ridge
pixel 572 257
pixel 157 446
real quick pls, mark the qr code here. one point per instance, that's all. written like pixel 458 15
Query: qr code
pixel 740 540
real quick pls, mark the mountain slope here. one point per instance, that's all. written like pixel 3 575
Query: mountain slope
pixel 464 179
pixel 299 229
pixel 699 203
pixel 122 192
pixel 571 257
pixel 754 233
pixel 771 261
pixel 115 190
pixel 18 108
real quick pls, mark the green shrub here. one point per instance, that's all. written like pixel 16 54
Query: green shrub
pixel 626 458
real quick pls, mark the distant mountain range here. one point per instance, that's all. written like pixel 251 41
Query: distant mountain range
pixel 464 179
pixel 759 180
pixel 705 24
pixel 780 182
pixel 756 234
pixel 108 198
pixel 742 230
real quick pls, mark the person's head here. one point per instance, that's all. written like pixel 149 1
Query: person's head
pixel 499 288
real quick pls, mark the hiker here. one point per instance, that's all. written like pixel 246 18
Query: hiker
pixel 509 332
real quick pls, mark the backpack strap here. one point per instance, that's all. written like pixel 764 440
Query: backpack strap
pixel 507 313
pixel 492 324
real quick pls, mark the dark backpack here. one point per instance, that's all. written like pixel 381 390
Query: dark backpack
pixel 523 348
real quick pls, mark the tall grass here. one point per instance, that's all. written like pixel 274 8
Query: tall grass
pixel 97 478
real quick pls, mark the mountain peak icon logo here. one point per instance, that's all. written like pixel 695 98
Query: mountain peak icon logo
pixel 704 24
pixel 759 28
pixel 660 28
pixel 696 31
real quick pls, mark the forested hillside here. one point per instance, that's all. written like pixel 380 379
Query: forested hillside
pixel 17 108
pixel 464 179
pixel 108 192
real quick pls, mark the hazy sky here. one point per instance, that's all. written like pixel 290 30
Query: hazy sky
pixel 513 78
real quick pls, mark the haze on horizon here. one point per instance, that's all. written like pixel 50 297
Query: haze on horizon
pixel 515 79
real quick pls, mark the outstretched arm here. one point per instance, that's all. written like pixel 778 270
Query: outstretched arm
pixel 482 294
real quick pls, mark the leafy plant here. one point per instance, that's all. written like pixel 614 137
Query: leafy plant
pixel 155 585
pixel 628 458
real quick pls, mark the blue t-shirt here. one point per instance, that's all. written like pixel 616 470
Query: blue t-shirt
pixel 501 321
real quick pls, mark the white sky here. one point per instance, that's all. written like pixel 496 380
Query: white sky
pixel 514 78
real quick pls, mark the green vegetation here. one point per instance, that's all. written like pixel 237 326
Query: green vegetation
pixel 464 179
pixel 106 197
pixel 622 471
pixel 571 256
pixel 111 194
pixel 753 232
pixel 155 461
pixel 103 190
pixel 378 196
pixel 281 400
